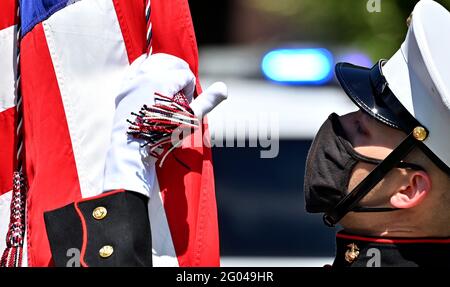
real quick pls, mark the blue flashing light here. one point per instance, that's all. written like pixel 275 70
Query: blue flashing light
pixel 298 66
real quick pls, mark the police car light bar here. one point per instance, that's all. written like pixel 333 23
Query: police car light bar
pixel 298 66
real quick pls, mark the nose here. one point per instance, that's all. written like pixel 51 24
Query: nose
pixel 348 118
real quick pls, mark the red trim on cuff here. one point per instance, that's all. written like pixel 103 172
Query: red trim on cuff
pixel 83 225
pixel 393 240
pixel 83 221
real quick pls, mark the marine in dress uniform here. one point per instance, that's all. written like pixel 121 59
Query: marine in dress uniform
pixel 407 96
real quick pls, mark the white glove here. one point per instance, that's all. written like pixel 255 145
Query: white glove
pixel 127 164
pixel 209 99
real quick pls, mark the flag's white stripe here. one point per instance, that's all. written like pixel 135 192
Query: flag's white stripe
pixel 90 59
pixel 7 68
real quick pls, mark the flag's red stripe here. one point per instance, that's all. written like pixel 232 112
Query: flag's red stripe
pixel 173 33
pixel 132 24
pixel 188 193
pixel 8 12
pixel 51 170
pixel 7 146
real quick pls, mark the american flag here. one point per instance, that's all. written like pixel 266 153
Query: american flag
pixel 73 57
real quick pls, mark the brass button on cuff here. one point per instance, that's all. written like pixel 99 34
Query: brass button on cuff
pixel 106 251
pixel 99 213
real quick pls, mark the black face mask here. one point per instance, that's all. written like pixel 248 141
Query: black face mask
pixel 330 163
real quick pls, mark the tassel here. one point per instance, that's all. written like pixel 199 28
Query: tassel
pixel 157 123
pixel 12 256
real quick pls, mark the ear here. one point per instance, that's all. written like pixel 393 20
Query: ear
pixel 412 194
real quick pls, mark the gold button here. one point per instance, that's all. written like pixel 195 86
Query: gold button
pixel 106 251
pixel 99 213
pixel 420 133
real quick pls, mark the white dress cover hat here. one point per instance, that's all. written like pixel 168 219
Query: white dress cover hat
pixel 419 74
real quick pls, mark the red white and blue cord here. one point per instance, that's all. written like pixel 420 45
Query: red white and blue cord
pixel 149 32
pixel 12 255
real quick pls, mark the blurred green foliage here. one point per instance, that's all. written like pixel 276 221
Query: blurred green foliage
pixel 345 22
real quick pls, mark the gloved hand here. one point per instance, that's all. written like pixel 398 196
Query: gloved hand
pixel 128 165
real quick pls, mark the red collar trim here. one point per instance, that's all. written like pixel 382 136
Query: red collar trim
pixel 392 240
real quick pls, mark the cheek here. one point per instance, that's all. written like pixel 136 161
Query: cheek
pixel 378 152
pixel 360 171
pixel 381 193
